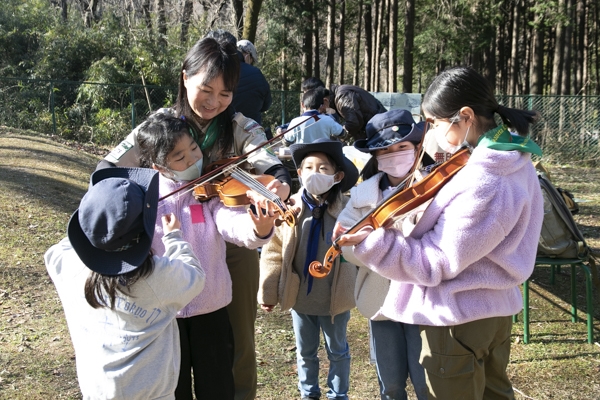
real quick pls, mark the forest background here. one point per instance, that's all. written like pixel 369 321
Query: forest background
pixel 522 46
pixel 541 55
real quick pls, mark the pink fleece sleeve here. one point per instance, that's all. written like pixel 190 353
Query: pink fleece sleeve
pixel 464 226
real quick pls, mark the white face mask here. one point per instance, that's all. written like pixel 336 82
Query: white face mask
pixel 317 184
pixel 194 171
pixel 445 145
pixel 396 164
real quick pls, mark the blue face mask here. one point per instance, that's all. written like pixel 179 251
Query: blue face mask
pixel 194 171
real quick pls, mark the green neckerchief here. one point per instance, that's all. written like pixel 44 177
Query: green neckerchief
pixel 500 138
pixel 211 134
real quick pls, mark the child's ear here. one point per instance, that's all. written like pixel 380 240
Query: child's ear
pixel 158 168
pixel 339 175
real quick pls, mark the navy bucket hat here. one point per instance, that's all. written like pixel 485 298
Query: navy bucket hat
pixel 332 148
pixel 113 227
pixel 388 128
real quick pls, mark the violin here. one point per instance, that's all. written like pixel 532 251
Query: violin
pixel 396 205
pixel 233 161
pixel 232 189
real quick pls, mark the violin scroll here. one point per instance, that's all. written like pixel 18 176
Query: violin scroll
pixel 319 270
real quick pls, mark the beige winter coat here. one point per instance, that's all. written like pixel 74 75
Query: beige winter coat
pixel 279 284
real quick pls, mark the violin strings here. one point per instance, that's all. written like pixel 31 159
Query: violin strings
pixel 258 187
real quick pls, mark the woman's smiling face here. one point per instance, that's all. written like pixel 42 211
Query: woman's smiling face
pixel 207 99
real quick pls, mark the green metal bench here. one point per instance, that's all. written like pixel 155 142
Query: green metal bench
pixel 554 263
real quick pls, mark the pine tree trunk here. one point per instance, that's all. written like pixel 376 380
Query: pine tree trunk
pixel 567 72
pixel 238 17
pixel 392 85
pixel 368 45
pixel 514 49
pixel 330 43
pixel 558 53
pixel 316 49
pixel 307 54
pixel 375 48
pixel 161 25
pixel 409 40
pixel 148 19
pixel 342 47
pixel 580 81
pixel 63 10
pixel 188 10
pixel 251 20
pixel 489 61
pixel 356 71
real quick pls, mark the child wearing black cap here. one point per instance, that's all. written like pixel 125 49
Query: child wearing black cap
pixel 392 140
pixel 320 304
pixel 120 301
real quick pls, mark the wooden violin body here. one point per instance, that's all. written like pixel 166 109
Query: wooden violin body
pixel 398 204
pixel 232 193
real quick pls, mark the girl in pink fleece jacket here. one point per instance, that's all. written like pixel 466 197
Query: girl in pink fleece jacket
pixel 205 333
pixel 458 273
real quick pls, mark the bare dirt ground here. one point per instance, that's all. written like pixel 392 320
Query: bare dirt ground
pixel 42 180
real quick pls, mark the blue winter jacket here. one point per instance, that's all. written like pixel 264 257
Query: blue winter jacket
pixel 253 94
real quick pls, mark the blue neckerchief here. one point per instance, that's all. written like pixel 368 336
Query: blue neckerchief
pixel 310 113
pixel 316 226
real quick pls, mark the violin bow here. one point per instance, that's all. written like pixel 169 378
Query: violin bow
pixel 234 162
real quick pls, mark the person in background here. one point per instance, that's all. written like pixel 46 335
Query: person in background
pixel 392 140
pixel 205 332
pixel 209 76
pixel 356 106
pixel 321 126
pixel 248 51
pixel 309 84
pixel 458 274
pixel 120 300
pixel 317 304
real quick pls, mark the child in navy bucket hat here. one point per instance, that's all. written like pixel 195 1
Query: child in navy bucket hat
pixel 392 139
pixel 316 304
pixel 120 301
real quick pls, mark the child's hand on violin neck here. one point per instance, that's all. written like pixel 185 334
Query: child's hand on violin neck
pixel 264 220
pixel 349 239
pixel 282 190
pixel 170 223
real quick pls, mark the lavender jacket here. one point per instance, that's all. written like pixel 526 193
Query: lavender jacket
pixel 206 226
pixel 470 251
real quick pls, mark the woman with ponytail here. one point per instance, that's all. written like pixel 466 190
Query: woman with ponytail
pixel 458 273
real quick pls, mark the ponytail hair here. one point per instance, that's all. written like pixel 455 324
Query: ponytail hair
pixel 460 87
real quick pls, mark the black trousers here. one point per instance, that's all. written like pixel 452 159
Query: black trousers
pixel 207 349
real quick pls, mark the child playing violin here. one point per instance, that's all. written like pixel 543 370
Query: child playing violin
pixel 459 271
pixel 317 304
pixel 206 337
pixel 392 140
pixel 120 301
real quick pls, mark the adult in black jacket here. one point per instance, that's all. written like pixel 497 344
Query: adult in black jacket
pixel 356 106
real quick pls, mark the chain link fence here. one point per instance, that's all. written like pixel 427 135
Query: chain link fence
pixel 568 130
pixel 104 113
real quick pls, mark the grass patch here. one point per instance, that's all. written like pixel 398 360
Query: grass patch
pixel 41 183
